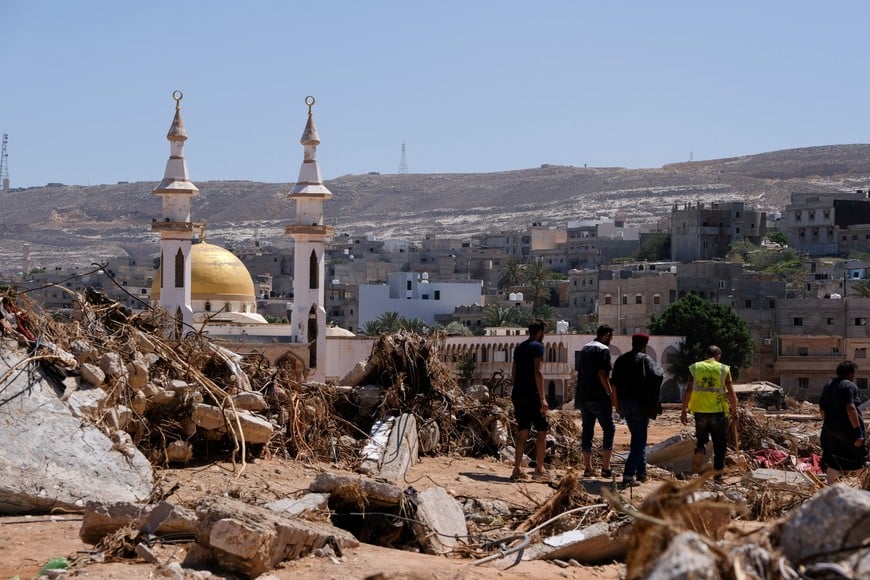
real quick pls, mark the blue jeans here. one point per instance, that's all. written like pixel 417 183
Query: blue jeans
pixel 638 425
pixel 712 426
pixel 590 411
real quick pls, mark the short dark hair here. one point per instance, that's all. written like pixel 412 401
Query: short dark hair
pixel 537 326
pixel 846 368
pixel 713 351
pixel 603 330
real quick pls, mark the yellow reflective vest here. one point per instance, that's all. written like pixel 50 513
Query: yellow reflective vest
pixel 708 392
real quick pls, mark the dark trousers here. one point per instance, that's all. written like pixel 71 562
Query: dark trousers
pixel 712 426
pixel 638 425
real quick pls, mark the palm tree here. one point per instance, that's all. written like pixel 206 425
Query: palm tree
pixel 538 282
pixel 512 274
pixel 456 328
pixel 390 322
pixel 498 315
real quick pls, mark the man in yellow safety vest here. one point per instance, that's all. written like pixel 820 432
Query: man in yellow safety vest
pixel 710 398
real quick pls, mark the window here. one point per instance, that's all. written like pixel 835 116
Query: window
pixel 829 321
pixel 638 299
pixel 438 295
pixel 625 299
pixel 748 303
pixel 408 285
pixel 860 321
pixel 657 299
pixel 835 350
pixel 803 351
pixel 179 269
pixel 803 383
pixel 607 299
pixel 861 352
pixel 797 216
pixel 721 284
pixel 798 321
pixel 771 303
pixel 862 383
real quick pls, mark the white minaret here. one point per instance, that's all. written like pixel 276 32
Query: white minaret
pixel 175 228
pixel 309 234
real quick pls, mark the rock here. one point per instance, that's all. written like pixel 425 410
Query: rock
pixel 779 479
pixel 113 365
pixel 179 452
pixel 87 403
pixel 310 502
pixel 687 558
pixel 478 393
pixel 440 523
pixel 835 521
pixel 355 375
pixel 675 453
pixel 250 401
pixel 251 540
pixel 137 373
pixel 92 374
pixel 52 460
pixel 83 351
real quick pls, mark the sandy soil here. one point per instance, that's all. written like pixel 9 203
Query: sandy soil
pixel 27 543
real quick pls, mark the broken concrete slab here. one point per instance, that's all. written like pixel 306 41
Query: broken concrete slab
pixel 251 540
pixel 373 451
pixel 836 521
pixel 382 493
pixel 687 556
pixel 440 524
pixel 777 478
pixel 102 519
pixel 52 460
pixel 599 542
pixel 675 453
pixel 403 449
pixel 310 502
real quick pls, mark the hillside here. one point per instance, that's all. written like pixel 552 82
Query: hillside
pixel 78 224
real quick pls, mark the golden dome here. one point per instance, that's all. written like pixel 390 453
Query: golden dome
pixel 216 274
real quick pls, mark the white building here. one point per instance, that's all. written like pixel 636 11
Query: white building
pixel 412 295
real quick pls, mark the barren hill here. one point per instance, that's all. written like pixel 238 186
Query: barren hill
pixel 77 224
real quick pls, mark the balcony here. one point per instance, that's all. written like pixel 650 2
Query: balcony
pixel 311 230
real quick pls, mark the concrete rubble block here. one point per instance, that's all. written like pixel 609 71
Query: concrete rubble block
pixel 254 429
pixel 83 351
pixel 478 393
pixel 440 525
pixel 675 453
pixel 137 373
pixel 252 540
pixel 779 479
pixel 688 557
pixel 113 365
pixel 355 375
pixel 403 449
pixel 600 542
pixel 835 521
pixel 92 374
pixel 180 387
pixel 379 493
pixel 139 402
pixel 373 451
pixel 250 401
pixel 310 502
pixel 101 519
pixel 150 390
pixel 164 398
pixel 52 460
pixel 207 417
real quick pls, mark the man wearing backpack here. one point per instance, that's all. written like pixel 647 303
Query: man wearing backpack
pixel 638 382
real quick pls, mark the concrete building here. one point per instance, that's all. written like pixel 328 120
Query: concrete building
pixel 702 232
pixel 413 295
pixel 813 227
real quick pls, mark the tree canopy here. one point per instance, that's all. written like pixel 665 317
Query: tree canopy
pixel 704 323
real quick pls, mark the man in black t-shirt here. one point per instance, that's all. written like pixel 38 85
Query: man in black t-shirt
pixel 596 399
pixel 530 404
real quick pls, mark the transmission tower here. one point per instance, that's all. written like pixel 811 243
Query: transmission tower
pixel 4 165
pixel 403 164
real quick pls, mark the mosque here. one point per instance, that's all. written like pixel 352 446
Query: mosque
pixel 204 286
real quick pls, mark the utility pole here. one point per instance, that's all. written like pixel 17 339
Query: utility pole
pixel 403 164
pixel 4 165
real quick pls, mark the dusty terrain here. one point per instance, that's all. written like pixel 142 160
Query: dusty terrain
pixel 27 543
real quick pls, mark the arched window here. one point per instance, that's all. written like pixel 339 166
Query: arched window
pixel 313 271
pixel 179 269
pixel 207 306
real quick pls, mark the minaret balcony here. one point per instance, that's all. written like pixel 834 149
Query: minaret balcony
pixel 313 229
pixel 186 227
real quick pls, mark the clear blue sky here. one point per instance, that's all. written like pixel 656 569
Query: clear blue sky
pixel 469 86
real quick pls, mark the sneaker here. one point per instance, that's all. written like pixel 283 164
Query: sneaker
pixel 519 476
pixel 641 478
pixel 626 483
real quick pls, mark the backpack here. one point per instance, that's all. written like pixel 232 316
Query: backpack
pixel 652 387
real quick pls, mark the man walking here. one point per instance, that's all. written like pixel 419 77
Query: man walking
pixel 530 404
pixel 843 436
pixel 638 381
pixel 706 392
pixel 596 399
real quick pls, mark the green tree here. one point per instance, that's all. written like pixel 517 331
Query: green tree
pixel 390 322
pixel 778 237
pixel 654 248
pixel 456 328
pixel 703 323
pixel 512 274
pixel 537 280
pixel 862 288
pixel 498 315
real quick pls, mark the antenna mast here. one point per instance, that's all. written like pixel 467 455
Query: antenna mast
pixel 403 164
pixel 4 165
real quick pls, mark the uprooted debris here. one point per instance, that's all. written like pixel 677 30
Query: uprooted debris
pixel 190 401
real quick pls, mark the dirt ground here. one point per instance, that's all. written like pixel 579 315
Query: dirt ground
pixel 27 543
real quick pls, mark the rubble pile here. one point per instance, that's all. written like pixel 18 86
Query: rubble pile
pixel 191 401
